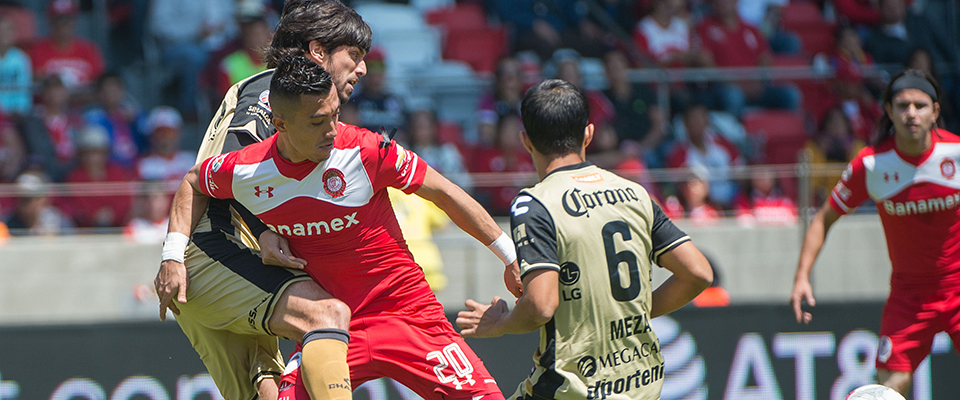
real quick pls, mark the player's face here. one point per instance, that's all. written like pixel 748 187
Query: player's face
pixel 309 132
pixel 345 64
pixel 913 114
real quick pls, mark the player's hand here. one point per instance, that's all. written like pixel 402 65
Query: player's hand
pixel 511 278
pixel 481 320
pixel 802 291
pixel 275 250
pixel 171 281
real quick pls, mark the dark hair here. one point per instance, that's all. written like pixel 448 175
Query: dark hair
pixel 554 114
pixel 330 22
pixel 109 76
pixel 885 130
pixel 296 76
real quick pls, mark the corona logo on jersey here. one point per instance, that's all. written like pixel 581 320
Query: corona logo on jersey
pixel 578 203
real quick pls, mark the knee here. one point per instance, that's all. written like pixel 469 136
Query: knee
pixel 328 313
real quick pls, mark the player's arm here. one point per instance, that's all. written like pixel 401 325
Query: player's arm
pixel 812 244
pixel 691 275
pixel 185 211
pixel 534 309
pixel 673 250
pixel 473 219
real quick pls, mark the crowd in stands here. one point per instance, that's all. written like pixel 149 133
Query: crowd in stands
pixel 67 114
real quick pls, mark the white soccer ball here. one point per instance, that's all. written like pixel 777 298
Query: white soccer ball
pixel 874 392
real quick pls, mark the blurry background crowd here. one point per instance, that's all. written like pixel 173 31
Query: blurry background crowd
pixel 103 102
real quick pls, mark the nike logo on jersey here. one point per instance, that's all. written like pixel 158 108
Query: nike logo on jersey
pixel 313 228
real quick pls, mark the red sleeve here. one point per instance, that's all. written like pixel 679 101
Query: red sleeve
pixel 216 176
pixel 397 167
pixel 851 191
pixel 641 42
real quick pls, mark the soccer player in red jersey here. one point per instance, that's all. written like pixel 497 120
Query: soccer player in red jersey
pixel 321 185
pixel 910 172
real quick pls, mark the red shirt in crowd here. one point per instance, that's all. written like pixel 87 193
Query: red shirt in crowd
pixel 78 64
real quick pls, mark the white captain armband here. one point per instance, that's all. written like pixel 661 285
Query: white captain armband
pixel 503 248
pixel 174 247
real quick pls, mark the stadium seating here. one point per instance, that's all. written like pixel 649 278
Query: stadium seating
pixel 781 134
pixel 462 17
pixel 481 47
pixel 805 19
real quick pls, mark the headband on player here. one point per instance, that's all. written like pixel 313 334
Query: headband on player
pixel 914 82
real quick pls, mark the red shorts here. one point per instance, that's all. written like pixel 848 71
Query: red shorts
pixel 909 324
pixel 419 349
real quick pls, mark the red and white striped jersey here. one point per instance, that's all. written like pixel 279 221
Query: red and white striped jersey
pixel 336 214
pixel 918 198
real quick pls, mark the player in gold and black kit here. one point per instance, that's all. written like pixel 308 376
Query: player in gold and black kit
pixel 586 239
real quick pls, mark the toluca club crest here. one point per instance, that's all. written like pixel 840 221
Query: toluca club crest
pixel 948 168
pixel 333 182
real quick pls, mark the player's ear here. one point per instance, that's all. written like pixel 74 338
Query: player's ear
pixel 527 144
pixel 279 123
pixel 316 52
pixel 587 135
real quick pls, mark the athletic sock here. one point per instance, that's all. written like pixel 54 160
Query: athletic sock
pixel 324 366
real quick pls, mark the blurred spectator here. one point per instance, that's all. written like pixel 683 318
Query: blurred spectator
pixel 75 60
pixel 376 106
pixel 93 147
pixel 255 36
pixel 188 31
pixel 848 54
pixel 765 15
pixel 503 100
pixel 13 152
pixel 601 110
pixel 763 204
pixel 127 20
pixel 121 117
pixel 858 12
pixel 851 95
pixel 507 155
pixel 692 200
pixel 444 157
pixel 15 75
pixel 901 31
pixel 638 116
pixel 165 161
pixel 545 26
pixel 49 131
pixel 623 157
pixel 834 142
pixel 418 219
pixel 150 226
pixel 711 155
pixel 732 43
pixel 33 213
pixel 666 36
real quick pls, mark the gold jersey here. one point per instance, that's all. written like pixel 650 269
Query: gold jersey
pixel 601 233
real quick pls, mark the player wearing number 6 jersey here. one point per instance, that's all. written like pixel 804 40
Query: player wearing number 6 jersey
pixel 586 239
pixel 321 185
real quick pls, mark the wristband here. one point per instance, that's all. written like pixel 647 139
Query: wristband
pixel 503 248
pixel 174 247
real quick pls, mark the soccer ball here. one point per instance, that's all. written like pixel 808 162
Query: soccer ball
pixel 874 392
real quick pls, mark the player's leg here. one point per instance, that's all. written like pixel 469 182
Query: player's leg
pixel 307 312
pixel 238 364
pixel 898 380
pixel 421 350
pixel 907 328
